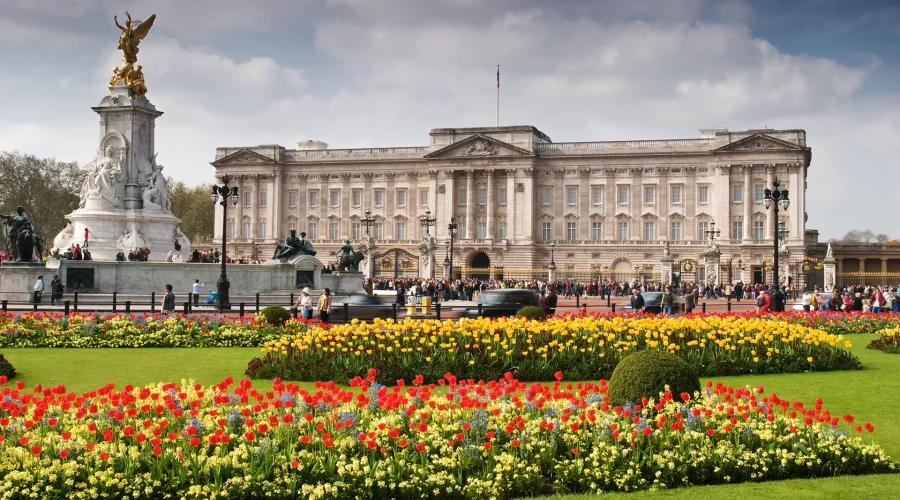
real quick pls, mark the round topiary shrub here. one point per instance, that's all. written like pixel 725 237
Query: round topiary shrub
pixel 275 315
pixel 531 312
pixel 6 368
pixel 646 374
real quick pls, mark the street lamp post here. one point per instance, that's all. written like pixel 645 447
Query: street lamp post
pixel 712 233
pixel 368 220
pixel 551 275
pixel 452 228
pixel 773 198
pixel 427 221
pixel 226 192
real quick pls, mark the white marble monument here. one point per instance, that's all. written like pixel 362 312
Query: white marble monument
pixel 125 197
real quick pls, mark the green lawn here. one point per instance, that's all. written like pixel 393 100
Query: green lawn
pixel 869 394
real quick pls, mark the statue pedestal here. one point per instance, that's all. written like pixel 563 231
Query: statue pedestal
pixel 343 282
pixel 112 231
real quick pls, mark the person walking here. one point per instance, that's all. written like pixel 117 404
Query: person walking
pixel 56 291
pixel 195 291
pixel 168 303
pixel 763 302
pixel 668 302
pixel 690 299
pixel 86 234
pixel 637 301
pixel 552 300
pixel 38 289
pixel 324 305
pixel 304 303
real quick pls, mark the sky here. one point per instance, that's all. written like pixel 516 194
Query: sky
pixel 372 73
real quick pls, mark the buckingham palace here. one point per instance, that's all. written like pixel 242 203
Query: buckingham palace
pixel 603 209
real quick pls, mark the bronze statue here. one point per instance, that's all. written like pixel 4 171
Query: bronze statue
pixel 349 260
pixel 22 238
pixel 293 246
pixel 128 43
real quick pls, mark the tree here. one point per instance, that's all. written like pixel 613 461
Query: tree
pixel 191 204
pixel 46 188
pixel 882 238
pixel 863 236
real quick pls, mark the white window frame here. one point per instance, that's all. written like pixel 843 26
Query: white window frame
pixel 378 198
pixel 703 194
pixel 620 190
pixel 596 195
pixel 649 230
pixel 334 230
pixel 356 197
pixel 649 195
pixel 546 195
pixel 501 195
pixel 737 193
pixel 546 231
pixel 622 231
pixel 571 231
pixel 596 231
pixel 401 197
pixel 334 198
pixel 292 199
pixel 675 230
pixel 313 198
pixel 400 228
pixel 312 230
pixel 571 195
pixel 675 194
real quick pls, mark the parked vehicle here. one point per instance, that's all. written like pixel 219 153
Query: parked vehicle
pixel 653 303
pixel 499 303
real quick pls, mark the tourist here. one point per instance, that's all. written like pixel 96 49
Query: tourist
pixel 195 290
pixel 637 301
pixel 304 303
pixel 542 303
pixel 552 300
pixel 38 289
pixel 805 301
pixel 876 301
pixel 857 303
pixel 56 291
pixel 86 233
pixel 324 305
pixel 168 303
pixel 763 302
pixel 668 301
pixel 690 299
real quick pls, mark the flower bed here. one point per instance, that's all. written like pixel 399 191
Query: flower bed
pixel 840 323
pixel 888 341
pixel 136 330
pixel 587 347
pixel 487 440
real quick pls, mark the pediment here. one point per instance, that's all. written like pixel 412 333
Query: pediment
pixel 622 215
pixel 479 146
pixel 243 157
pixel 676 215
pixel 759 142
pixel 596 215
pixel 570 215
pixel 702 215
pixel 649 215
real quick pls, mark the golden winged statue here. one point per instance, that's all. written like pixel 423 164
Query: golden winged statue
pixel 128 43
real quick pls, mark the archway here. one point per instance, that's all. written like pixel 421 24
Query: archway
pixel 622 270
pixel 481 261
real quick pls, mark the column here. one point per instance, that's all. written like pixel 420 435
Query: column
pixel 346 202
pixel 884 263
pixel 840 265
pixel 217 210
pixel 527 211
pixel 748 203
pixel 662 205
pixel 470 204
pixel 796 196
pixel 272 211
pixel 512 230
pixel 635 202
pixel 584 204
pixel 390 205
pixel 239 209
pixel 414 231
pixel 862 265
pixel 610 224
pixel 770 213
pixel 254 207
pixel 490 204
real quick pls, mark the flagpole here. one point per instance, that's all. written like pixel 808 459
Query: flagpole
pixel 497 120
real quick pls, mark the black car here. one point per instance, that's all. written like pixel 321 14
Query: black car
pixel 653 303
pixel 499 303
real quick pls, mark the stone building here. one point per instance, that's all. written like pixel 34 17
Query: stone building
pixel 604 209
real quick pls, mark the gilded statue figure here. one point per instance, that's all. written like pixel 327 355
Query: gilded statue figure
pixel 128 43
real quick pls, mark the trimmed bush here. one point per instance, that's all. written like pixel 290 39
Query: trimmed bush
pixel 6 368
pixel 647 373
pixel 531 312
pixel 275 315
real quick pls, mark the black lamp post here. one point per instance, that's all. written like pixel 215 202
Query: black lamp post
pixel 226 192
pixel 368 220
pixel 712 233
pixel 447 258
pixel 427 222
pixel 452 228
pixel 773 198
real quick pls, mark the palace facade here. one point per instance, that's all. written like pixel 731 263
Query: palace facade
pixel 604 209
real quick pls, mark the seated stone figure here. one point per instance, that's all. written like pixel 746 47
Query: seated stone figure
pixel 294 246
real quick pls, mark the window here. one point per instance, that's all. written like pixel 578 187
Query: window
pixel 401 197
pixel 246 198
pixel 291 226
pixel 262 230
pixel 333 231
pixel 482 195
pixel 571 231
pixel 648 230
pixel 313 199
pixel 481 230
pixel 547 195
pixel 292 199
pixel 401 230
pixel 702 227
pixel 246 230
pixel 596 231
pixel 702 194
pixel 262 198
pixel 735 274
pixel 501 196
pixel 313 229
pixel 571 195
pixel 737 230
pixel 676 194
pixel 758 191
pixel 231 229
pixel 462 230
pixel 622 231
pixel 546 232
pixel 623 195
pixel 423 197
pixel 379 197
pixel 379 230
pixel 737 193
pixel 462 195
pixel 597 195
pixel 356 197
pixel 649 194
pixel 675 231
pixel 501 230
pixel 335 196
pixel 354 230
pixel 759 230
